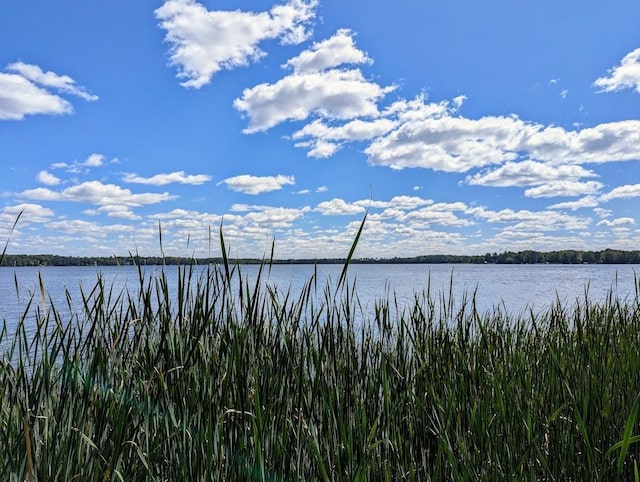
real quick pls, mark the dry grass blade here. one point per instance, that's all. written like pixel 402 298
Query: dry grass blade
pixel 6 244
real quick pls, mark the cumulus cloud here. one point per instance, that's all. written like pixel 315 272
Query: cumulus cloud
pixel 533 221
pixel 528 173
pixel 25 89
pixel 564 188
pixel 622 192
pixel 274 217
pixel 204 42
pixel 624 76
pixel 333 52
pixel 334 94
pixel 97 193
pixel 434 136
pixel 323 140
pixel 316 87
pixel 396 202
pixel 439 213
pixel 47 178
pixel 63 83
pixel 173 177
pixel 338 207
pixel 28 212
pixel 87 229
pixel 114 211
pixel 585 202
pixel 94 160
pixel 248 184
pixel 616 222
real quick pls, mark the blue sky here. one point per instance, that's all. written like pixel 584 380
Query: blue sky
pixel 461 126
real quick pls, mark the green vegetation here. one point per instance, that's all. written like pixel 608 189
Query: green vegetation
pixel 234 379
pixel 606 256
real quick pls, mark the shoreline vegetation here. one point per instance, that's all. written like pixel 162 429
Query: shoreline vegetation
pixel 228 379
pixel 606 256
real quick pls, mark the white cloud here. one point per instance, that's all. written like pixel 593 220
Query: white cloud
pixel 325 140
pixel 439 213
pixel 47 178
pixel 532 220
pixel 114 211
pixel 528 173
pixel 585 202
pixel 614 141
pixel 333 52
pixel 97 193
pixel 433 136
pixel 338 207
pixel 274 217
pixel 602 213
pixel 168 178
pixel 27 90
pixel 204 42
pixel 30 213
pixel 334 94
pixel 624 76
pixel 248 184
pixel 88 229
pixel 616 222
pixel 564 188
pixel 94 160
pixel 622 192
pixel 397 202
pixel 19 97
pixel 63 83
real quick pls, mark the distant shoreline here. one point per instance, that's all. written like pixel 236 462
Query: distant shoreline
pixel 606 256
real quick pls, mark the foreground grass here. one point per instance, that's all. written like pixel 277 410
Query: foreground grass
pixel 237 380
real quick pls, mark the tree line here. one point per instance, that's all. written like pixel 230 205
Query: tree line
pixel 606 256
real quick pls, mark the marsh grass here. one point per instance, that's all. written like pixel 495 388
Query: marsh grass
pixel 233 379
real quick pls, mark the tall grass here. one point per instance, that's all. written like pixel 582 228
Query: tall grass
pixel 234 379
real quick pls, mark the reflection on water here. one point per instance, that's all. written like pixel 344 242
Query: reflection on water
pixel 515 288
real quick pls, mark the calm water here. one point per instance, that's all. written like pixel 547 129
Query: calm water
pixel 514 287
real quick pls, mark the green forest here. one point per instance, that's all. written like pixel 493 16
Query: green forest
pixel 607 256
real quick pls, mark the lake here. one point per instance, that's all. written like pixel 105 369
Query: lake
pixel 515 288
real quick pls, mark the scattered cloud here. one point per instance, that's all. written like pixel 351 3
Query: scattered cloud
pixel 585 202
pixel 338 207
pixel 624 76
pixel 29 213
pixel 204 42
pixel 535 221
pixel 622 192
pixel 97 193
pixel 564 188
pixel 528 173
pixel 94 160
pixel 162 179
pixel 47 178
pixel 248 184
pixel 333 52
pixel 25 89
pixel 616 222
pixel 330 93
pixel 324 140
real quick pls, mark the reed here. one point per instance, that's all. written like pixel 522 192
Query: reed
pixel 235 379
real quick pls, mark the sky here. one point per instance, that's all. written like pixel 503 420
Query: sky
pixel 457 127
